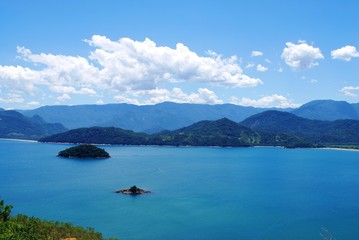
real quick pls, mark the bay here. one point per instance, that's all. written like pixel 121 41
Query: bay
pixel 197 193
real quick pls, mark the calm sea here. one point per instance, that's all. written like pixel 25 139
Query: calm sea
pixel 197 193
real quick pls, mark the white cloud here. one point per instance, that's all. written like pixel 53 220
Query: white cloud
pixel 33 103
pixel 261 68
pixel 100 102
pixel 64 97
pixel 256 53
pixel 142 65
pixel 314 80
pixel 202 96
pixel 69 89
pixel 301 56
pixel 122 99
pixel 158 95
pixel 267 101
pixel 119 68
pixel 348 91
pixel 345 53
pixel 250 65
pixel 12 98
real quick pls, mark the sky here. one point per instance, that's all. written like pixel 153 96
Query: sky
pixel 252 53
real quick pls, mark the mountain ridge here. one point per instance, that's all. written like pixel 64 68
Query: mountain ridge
pixel 15 125
pixel 171 116
pixel 343 131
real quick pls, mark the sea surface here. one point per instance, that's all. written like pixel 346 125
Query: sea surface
pixel 197 193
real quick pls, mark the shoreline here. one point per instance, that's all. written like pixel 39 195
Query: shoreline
pixel 187 146
pixel 20 140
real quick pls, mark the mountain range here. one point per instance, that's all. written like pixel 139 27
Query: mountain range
pixel 274 128
pixel 171 116
pixel 317 122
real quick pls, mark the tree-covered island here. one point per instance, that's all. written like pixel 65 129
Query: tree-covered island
pixel 84 151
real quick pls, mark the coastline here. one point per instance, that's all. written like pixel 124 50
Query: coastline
pixel 187 146
pixel 20 140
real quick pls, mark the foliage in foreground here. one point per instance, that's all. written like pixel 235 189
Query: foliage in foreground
pixel 22 227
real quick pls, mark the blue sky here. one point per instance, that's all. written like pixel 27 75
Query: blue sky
pixel 254 53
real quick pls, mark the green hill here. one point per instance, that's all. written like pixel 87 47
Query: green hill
pixel 342 132
pixel 223 132
pixel 99 135
pixel 84 151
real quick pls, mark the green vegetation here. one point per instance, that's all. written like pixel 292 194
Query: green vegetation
pixel 84 151
pixel 22 227
pixel 223 133
pixel 318 133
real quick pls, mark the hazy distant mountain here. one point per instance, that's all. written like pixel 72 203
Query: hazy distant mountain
pixel 314 131
pixel 147 118
pixel 328 110
pixel 171 116
pixel 15 125
pixel 223 132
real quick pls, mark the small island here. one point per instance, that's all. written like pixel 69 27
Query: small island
pixel 134 190
pixel 84 151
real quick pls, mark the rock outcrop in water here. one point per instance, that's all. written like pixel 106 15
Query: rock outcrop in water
pixel 134 190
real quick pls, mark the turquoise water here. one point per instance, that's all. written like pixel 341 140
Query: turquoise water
pixel 198 193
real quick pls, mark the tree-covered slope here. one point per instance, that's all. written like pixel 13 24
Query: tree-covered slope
pixel 84 151
pixel 223 132
pixel 15 125
pixel 314 131
pixel 99 135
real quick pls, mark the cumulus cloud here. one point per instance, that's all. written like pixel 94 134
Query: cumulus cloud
pixel 301 56
pixel 33 103
pixel 261 68
pixel 250 65
pixel 348 91
pixel 256 53
pixel 158 95
pixel 202 96
pixel 345 53
pixel 123 99
pixel 267 101
pixel 120 68
pixel 142 65
pixel 64 97
pixel 100 102
pixel 70 89
pixel 12 98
